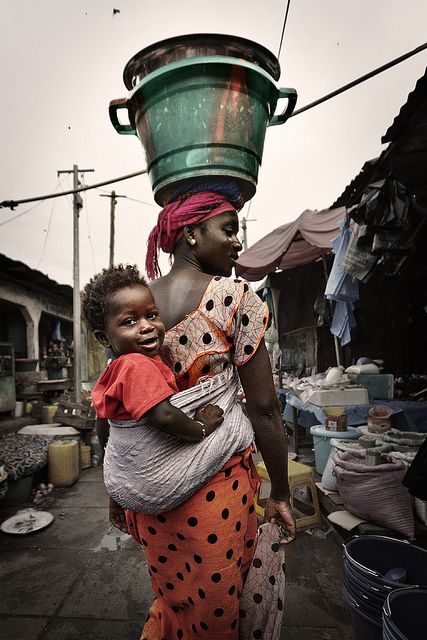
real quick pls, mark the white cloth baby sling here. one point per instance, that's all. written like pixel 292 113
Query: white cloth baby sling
pixel 150 471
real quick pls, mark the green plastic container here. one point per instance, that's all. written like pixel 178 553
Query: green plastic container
pixel 203 116
pixel 25 364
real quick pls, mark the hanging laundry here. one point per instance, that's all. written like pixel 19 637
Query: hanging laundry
pixel 56 335
pixel 342 288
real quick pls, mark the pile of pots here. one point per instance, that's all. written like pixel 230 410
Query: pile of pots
pixel 405 615
pixel 374 567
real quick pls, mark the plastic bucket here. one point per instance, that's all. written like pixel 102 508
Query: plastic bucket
pixel 322 443
pixel 377 591
pixel 64 462
pixel 364 627
pixel 25 364
pixel 367 562
pixel 405 615
pixel 48 413
pixel 203 116
pixel 19 409
pixel 373 556
pixel 369 608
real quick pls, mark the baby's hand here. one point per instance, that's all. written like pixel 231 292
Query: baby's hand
pixel 211 415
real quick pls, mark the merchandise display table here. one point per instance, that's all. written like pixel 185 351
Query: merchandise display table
pixel 407 415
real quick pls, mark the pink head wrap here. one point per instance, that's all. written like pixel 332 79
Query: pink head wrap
pixel 174 217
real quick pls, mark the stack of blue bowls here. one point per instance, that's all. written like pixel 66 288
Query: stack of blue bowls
pixel 374 567
pixel 405 615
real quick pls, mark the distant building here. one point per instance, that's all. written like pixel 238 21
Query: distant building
pixel 31 306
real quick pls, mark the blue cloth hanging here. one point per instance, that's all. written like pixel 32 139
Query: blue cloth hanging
pixel 56 335
pixel 342 288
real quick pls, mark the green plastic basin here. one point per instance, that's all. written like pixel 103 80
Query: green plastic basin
pixel 204 116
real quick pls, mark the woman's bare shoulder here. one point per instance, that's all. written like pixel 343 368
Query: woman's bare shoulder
pixel 178 295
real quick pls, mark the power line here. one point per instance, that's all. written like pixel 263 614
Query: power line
pixel 14 203
pixel 70 202
pixel 47 234
pixel 58 185
pixel 284 27
pixel 88 233
pixel 11 204
pixel 367 76
pixel 23 213
pixel 20 214
pixel 149 204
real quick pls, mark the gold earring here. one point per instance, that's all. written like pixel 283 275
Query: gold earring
pixel 192 242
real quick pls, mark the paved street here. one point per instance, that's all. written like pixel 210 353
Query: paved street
pixel 80 579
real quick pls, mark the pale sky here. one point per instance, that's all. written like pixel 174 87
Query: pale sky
pixel 61 62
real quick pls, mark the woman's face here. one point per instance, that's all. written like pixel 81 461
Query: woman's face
pixel 217 246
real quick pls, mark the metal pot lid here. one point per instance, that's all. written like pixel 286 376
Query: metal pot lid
pixel 193 45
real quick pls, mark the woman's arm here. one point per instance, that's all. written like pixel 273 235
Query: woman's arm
pixel 172 420
pixel 264 412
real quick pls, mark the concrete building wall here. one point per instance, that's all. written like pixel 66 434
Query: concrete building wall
pixel 32 302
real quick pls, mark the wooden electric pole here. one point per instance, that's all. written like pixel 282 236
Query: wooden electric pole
pixel 244 230
pixel 113 203
pixel 77 205
pixel 244 226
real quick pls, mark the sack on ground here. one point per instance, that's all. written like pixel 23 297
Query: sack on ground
pixel 416 476
pixel 375 493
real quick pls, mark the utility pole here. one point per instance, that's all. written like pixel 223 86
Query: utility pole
pixel 244 229
pixel 113 203
pixel 77 205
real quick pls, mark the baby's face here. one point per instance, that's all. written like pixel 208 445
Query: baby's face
pixel 133 324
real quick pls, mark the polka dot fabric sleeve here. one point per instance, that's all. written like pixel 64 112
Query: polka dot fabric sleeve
pixel 249 323
pixel 227 326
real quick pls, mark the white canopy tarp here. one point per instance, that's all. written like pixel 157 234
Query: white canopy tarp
pixel 293 244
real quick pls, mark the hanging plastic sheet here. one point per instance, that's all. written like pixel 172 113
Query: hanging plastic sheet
pixel 385 206
pixel 358 261
pixel 389 220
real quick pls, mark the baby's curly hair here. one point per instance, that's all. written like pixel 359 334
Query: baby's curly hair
pixel 101 287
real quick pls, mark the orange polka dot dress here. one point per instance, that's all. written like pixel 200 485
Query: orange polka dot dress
pixel 198 553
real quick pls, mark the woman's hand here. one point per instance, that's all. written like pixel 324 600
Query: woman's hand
pixel 211 415
pixel 117 516
pixel 280 512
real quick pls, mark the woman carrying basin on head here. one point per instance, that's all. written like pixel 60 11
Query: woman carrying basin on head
pixel 199 551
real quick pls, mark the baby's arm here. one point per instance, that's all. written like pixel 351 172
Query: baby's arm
pixel 172 420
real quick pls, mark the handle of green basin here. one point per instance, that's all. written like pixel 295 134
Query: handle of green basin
pixel 115 105
pixel 292 96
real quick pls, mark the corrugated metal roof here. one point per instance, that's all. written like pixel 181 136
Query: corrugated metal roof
pixel 19 271
pixel 351 193
pixel 415 99
pixel 378 167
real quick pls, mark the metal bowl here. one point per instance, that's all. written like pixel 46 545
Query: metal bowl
pixel 193 45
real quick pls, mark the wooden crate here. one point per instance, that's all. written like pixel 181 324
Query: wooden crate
pixel 73 414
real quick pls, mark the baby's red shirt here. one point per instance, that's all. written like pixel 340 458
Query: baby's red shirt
pixel 131 385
